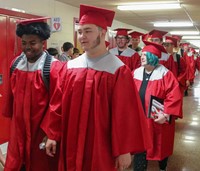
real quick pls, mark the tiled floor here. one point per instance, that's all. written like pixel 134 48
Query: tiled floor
pixel 186 155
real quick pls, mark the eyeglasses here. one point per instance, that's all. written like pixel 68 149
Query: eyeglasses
pixel 121 38
pixel 155 40
pixel 167 44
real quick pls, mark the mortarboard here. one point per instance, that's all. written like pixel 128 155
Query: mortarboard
pixel 185 44
pixel 172 40
pixel 32 20
pixel 154 48
pixel 93 15
pixel 192 50
pixel 157 34
pixel 177 37
pixel 136 34
pixel 145 37
pixel 107 43
pixel 122 31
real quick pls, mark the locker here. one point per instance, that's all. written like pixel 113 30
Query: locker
pixel 4 122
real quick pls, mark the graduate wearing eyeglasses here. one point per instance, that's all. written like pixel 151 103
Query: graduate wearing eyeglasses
pixel 127 55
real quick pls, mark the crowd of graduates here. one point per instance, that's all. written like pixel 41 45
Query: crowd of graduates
pixel 180 57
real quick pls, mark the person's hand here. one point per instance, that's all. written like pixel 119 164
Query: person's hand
pixel 123 161
pixel 161 117
pixel 187 83
pixel 50 147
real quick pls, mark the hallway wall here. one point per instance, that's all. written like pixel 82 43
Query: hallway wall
pixel 53 8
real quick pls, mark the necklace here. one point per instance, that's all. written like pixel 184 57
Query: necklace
pixel 147 76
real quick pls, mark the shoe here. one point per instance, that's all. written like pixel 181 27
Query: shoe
pixel 186 93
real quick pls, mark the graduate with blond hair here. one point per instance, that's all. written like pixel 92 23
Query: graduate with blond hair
pixel 98 123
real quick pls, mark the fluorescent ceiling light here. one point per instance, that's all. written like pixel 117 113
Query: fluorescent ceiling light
pixel 191 37
pixel 185 32
pixel 173 24
pixel 18 10
pixel 197 44
pixel 149 6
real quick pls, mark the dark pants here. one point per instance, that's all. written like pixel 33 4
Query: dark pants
pixel 140 163
pixel 23 168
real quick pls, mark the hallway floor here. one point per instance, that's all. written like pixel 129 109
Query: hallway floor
pixel 186 155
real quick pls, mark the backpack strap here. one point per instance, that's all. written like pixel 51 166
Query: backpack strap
pixel 46 69
pixel 15 63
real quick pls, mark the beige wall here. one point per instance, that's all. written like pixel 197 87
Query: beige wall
pixel 53 8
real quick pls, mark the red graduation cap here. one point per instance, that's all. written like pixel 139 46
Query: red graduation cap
pixel 107 43
pixel 154 48
pixel 32 20
pixel 93 15
pixel 172 40
pixel 136 34
pixel 122 31
pixel 157 34
pixel 185 44
pixel 177 37
pixel 145 37
pixel 191 49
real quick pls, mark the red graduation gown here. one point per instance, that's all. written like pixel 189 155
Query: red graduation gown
pixel 179 71
pixel 129 57
pixel 165 60
pixel 100 114
pixel 198 63
pixel 26 105
pixel 170 62
pixel 163 85
pixel 190 62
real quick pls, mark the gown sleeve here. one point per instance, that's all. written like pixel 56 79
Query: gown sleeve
pixel 136 61
pixel 128 122
pixel 173 100
pixel 7 107
pixel 51 123
pixel 182 74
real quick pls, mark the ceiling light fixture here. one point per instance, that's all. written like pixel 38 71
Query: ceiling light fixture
pixel 150 6
pixel 194 43
pixel 173 24
pixel 184 32
pixel 18 10
pixel 191 37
